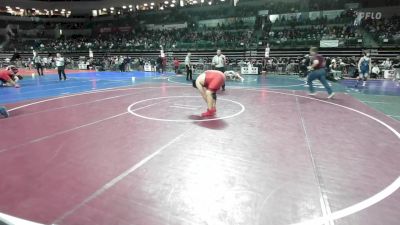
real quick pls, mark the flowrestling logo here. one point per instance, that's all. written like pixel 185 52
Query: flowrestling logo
pixel 369 15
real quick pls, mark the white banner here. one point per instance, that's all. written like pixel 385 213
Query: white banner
pixel 263 12
pixel 329 43
pixel 314 15
pixel 332 14
pixel 247 70
pixel 166 26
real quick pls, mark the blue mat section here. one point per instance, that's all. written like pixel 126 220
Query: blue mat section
pixel 50 86
pixel 33 88
pixel 374 87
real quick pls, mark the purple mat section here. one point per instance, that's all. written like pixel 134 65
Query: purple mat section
pixel 276 157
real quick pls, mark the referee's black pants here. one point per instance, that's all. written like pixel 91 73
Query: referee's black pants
pixel 222 69
pixel 61 71
pixel 188 73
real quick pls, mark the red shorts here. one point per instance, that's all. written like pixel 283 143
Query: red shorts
pixel 5 75
pixel 214 80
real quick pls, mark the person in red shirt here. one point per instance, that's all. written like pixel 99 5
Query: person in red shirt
pixel 6 76
pixel 208 83
pixel 176 65
pixel 318 72
pixel 164 64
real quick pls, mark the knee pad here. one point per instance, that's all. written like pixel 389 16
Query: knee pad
pixel 214 96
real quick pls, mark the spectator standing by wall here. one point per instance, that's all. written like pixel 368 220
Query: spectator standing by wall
pixel 38 63
pixel 188 65
pixel 176 65
pixel 60 63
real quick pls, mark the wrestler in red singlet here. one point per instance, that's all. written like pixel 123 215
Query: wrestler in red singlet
pixel 208 83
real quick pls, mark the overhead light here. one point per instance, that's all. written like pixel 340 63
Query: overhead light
pixel 166 2
pixel 145 4
pixel 130 6
pixel 104 9
pixel 137 7
pixel 209 3
pixel 112 8
pixel 33 9
pixel 17 7
pixel 56 10
pixel 8 7
pixel 131 10
pixel 21 10
pixel 151 7
pixel 195 1
pixel 172 5
pixel 119 12
pixel 124 6
pixel 69 12
pixel 173 1
pixel 161 8
pixel 152 3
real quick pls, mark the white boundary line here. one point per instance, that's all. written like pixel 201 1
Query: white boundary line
pixel 182 107
pixel 325 207
pixel 294 85
pixel 120 177
pixel 89 92
pixel 74 128
pixel 184 121
pixel 386 192
pixel 11 220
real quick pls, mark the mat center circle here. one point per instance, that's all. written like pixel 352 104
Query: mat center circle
pixel 183 109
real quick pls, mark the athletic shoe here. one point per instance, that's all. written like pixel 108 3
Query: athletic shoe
pixel 331 95
pixel 364 83
pixel 209 113
pixel 312 93
pixel 213 110
pixel 4 112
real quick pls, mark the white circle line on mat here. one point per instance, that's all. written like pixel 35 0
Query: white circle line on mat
pixel 132 111
pixel 357 207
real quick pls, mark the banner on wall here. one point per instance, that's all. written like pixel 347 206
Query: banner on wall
pixel 314 15
pixel 216 22
pixel 166 26
pixel 263 12
pixel 105 30
pixel 125 29
pixel 115 29
pixel 329 43
pixel 289 16
pixel 332 14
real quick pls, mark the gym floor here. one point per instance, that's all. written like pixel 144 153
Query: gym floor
pixel 130 148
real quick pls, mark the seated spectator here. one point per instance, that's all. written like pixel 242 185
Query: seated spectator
pixel 387 64
pixel 375 71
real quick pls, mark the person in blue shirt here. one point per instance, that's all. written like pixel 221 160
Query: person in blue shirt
pixel 364 68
